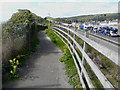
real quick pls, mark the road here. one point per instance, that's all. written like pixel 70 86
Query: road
pixel 110 46
pixel 102 42
pixel 116 39
pixel 113 49
pixel 42 69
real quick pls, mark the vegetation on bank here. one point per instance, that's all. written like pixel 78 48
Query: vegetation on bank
pixel 19 19
pixel 11 73
pixel 109 68
pixel 67 59
pixel 20 38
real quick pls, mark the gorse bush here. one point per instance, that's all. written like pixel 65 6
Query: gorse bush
pixel 22 16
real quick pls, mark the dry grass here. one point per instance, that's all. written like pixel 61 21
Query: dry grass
pixel 109 68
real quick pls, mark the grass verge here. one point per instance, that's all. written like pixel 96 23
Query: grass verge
pixel 67 59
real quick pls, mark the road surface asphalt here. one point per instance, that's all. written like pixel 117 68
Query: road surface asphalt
pixel 102 42
pixel 42 69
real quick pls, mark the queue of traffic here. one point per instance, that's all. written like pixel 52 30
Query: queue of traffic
pixel 110 31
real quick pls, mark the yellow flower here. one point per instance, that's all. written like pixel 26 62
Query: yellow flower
pixel 18 56
pixel 11 72
pixel 10 61
pixel 14 59
pixel 17 62
pixel 15 67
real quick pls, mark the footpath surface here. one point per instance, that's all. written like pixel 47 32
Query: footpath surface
pixel 42 69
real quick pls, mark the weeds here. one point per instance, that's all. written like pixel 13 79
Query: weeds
pixel 13 72
pixel 17 62
pixel 70 67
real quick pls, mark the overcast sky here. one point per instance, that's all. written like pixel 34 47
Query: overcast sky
pixel 60 8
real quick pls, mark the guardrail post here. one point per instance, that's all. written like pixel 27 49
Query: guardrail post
pixel 68 34
pixel 85 49
pixel 74 39
pixel 68 37
pixel 86 34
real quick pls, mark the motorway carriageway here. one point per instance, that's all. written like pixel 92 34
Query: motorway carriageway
pixel 102 42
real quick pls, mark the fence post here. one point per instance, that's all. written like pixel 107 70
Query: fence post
pixel 68 37
pixel 74 36
pixel 68 34
pixel 85 49
pixel 86 34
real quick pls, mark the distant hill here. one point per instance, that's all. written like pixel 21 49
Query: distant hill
pixel 96 17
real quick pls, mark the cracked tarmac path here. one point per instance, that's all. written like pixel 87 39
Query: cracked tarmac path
pixel 42 69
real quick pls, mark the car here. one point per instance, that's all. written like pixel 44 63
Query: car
pixel 100 31
pixel 107 32
pixel 85 28
pixel 95 29
pixel 82 27
pixel 113 34
pixel 91 28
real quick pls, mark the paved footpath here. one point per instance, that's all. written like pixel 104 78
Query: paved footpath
pixel 42 69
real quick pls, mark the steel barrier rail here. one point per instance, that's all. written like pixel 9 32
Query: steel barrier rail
pixel 83 84
pixel 99 74
pixel 112 55
pixel 82 67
